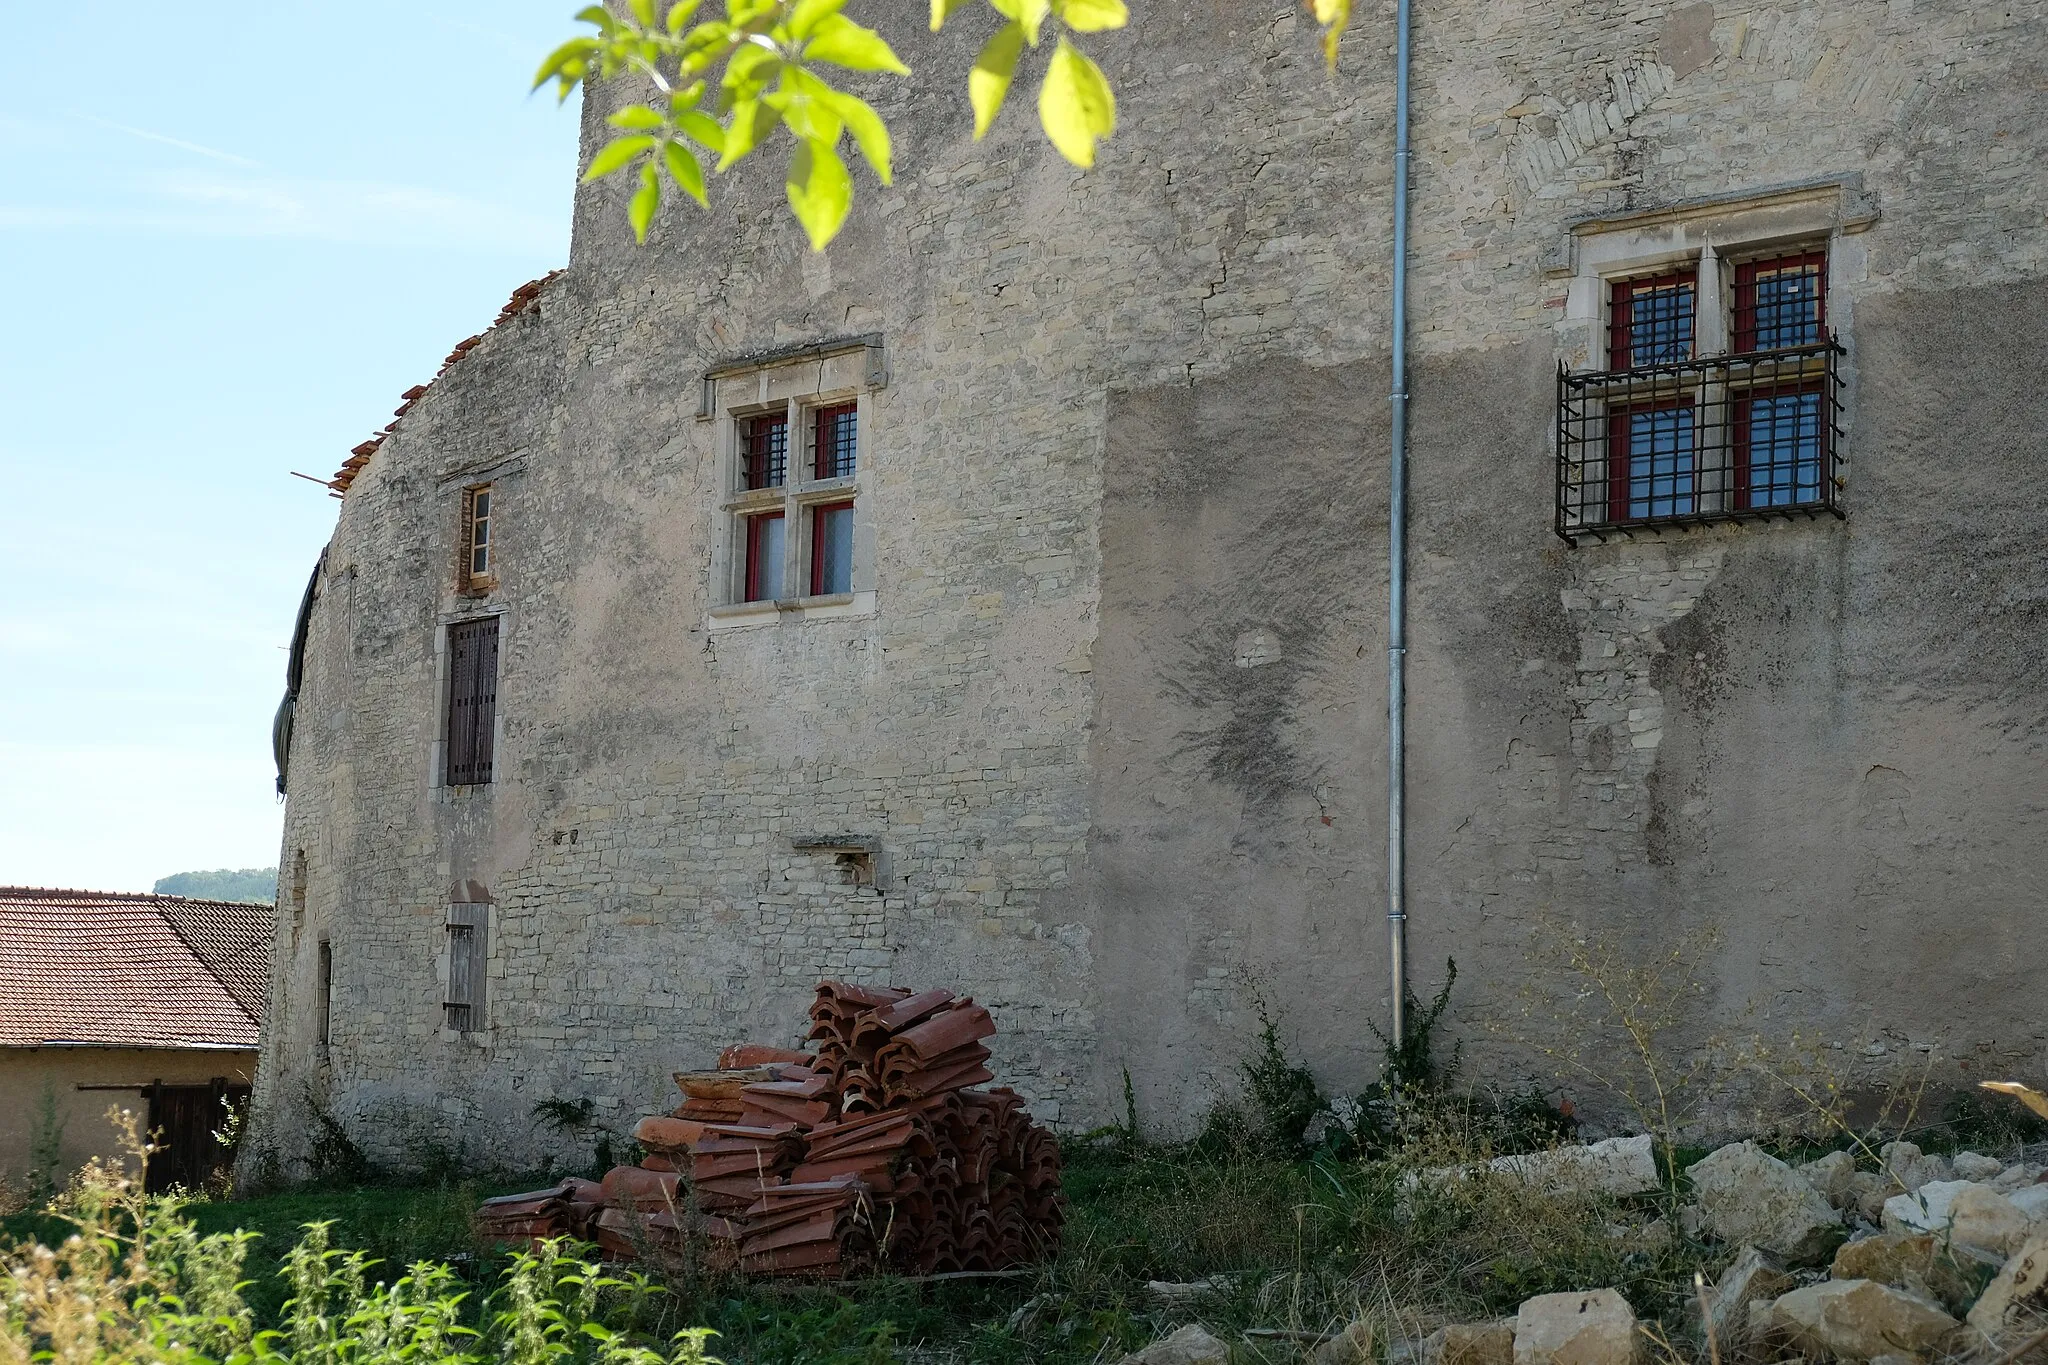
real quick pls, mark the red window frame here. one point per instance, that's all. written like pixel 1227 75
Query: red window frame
pixel 824 422
pixel 1619 454
pixel 757 450
pixel 757 526
pixel 1621 320
pixel 818 543
pixel 1745 293
pixel 1740 423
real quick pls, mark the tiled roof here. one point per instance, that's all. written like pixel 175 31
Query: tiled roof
pixel 523 298
pixel 110 969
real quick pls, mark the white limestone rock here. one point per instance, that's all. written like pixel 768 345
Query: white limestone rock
pixel 1191 1345
pixel 1974 1217
pixel 1750 1197
pixel 1859 1320
pixel 2017 1293
pixel 1597 1328
pixel 1975 1166
pixel 1752 1278
pixel 1472 1343
pixel 1832 1177
pixel 1617 1166
pixel 1912 1168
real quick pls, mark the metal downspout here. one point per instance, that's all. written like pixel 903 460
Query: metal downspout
pixel 1397 556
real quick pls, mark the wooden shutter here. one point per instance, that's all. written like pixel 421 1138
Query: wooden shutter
pixel 466 961
pixel 472 699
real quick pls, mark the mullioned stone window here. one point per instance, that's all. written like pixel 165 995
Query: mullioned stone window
pixel 1702 361
pixel 794 441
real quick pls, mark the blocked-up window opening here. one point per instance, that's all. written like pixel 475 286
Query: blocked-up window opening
pixel 472 700
pixel 463 1005
pixel 834 441
pixel 764 450
pixel 832 548
pixel 325 1009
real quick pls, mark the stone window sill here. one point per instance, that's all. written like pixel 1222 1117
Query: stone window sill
pixel 831 606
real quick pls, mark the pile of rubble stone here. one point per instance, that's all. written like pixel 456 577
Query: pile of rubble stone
pixel 870 1151
pixel 1924 1258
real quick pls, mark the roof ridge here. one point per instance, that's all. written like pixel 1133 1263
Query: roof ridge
pixel 46 893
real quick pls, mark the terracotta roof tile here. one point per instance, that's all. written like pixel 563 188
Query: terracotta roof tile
pixel 523 298
pixel 110 969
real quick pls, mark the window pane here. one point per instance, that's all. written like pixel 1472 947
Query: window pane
pixel 1784 450
pixel 1660 325
pixel 483 504
pixel 1788 307
pixel 764 558
pixel 834 568
pixel 1660 463
pixel 764 451
pixel 479 561
pixel 836 439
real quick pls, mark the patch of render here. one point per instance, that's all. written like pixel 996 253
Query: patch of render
pixel 1620 610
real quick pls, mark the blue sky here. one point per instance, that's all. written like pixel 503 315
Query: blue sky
pixel 230 237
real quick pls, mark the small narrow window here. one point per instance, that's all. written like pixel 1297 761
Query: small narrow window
pixel 764 450
pixel 834 439
pixel 472 700
pixel 1781 301
pixel 832 548
pixel 324 1016
pixel 463 1005
pixel 477 572
pixel 765 545
pixel 1650 322
pixel 298 886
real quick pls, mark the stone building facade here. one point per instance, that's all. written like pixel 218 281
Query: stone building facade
pixel 1087 717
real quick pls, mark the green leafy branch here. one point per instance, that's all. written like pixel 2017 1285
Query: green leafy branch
pixel 723 86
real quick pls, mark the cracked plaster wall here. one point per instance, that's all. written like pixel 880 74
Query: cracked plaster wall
pixel 1116 723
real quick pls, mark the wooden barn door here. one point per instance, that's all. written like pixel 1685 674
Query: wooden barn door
pixel 182 1122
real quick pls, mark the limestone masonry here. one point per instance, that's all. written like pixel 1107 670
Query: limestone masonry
pixel 1081 705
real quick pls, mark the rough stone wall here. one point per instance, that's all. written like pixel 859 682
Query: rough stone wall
pixel 1117 722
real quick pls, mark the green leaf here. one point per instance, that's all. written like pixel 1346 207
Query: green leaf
pixel 1028 13
pixel 820 191
pixel 679 15
pixel 617 154
pixel 638 118
pixel 684 170
pixel 1075 105
pixel 596 14
pixel 749 69
pixel 751 121
pixel 809 106
pixel 808 14
pixel 682 101
pixel 988 84
pixel 1093 16
pixel 870 134
pixel 842 42
pixel 703 130
pixel 942 10
pixel 640 212
pixel 573 54
pixel 643 12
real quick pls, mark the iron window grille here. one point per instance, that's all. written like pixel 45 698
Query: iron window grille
pixel 1705 440
pixel 834 439
pixel 1662 437
pixel 764 451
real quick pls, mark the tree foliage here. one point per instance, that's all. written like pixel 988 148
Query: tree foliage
pixel 721 88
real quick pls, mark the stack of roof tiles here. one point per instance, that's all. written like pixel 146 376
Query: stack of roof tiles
pixel 870 1152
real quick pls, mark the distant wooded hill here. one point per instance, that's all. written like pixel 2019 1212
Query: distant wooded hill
pixel 223 884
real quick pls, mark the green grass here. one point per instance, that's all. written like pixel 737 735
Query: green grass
pixel 1300 1245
